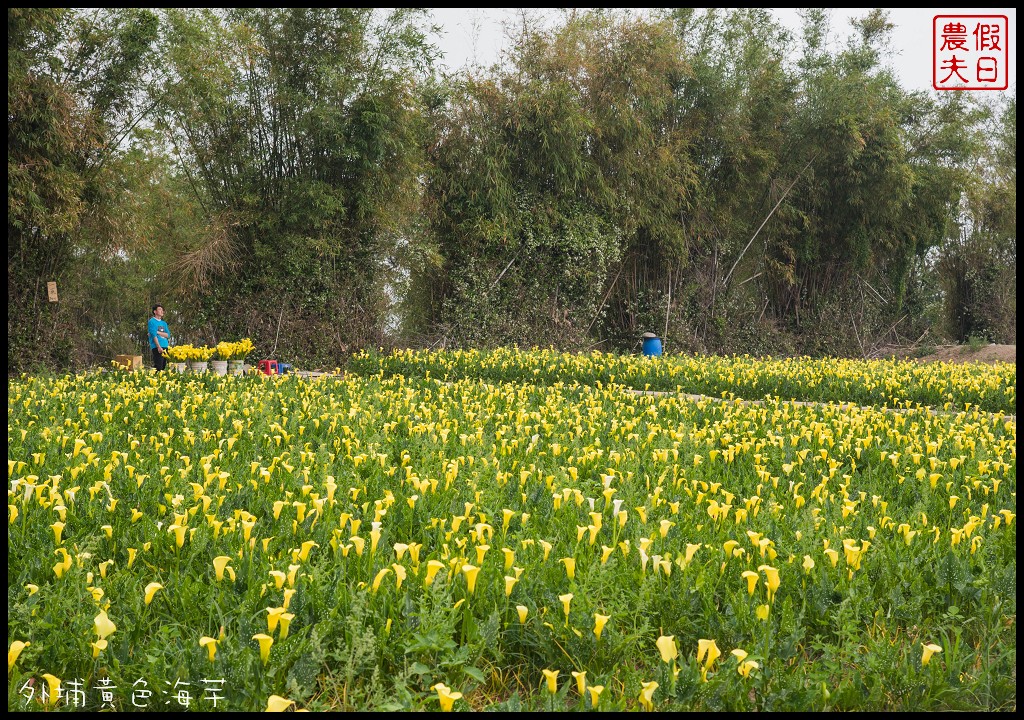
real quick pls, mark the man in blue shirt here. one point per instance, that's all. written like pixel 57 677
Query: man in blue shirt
pixel 159 335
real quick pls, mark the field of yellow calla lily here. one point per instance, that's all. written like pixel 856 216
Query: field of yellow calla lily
pixel 412 538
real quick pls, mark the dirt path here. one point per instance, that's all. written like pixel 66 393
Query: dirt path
pixel 989 354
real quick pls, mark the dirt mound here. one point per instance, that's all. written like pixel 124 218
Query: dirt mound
pixel 965 353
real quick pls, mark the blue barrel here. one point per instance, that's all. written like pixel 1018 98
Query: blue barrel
pixel 283 368
pixel 652 345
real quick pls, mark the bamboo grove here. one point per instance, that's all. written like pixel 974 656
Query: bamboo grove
pixel 309 179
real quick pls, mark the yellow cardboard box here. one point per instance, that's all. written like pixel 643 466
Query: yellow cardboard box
pixel 129 362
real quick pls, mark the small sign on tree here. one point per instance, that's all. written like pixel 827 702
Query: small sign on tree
pixel 51 291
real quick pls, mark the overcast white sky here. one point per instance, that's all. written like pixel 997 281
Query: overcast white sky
pixel 476 35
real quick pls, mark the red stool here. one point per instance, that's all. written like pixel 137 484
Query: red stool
pixel 268 367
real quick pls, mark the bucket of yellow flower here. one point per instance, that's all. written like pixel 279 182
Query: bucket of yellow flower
pixel 219 365
pixel 200 359
pixel 235 354
pixel 242 349
pixel 177 356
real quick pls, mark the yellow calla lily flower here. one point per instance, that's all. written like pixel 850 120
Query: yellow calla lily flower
pixel 210 644
pixel 470 571
pixel 446 696
pixel 707 653
pixel 707 649
pixel 566 599
pixel 12 654
pixel 599 622
pixel 595 694
pixel 379 577
pixel 306 547
pixel 103 567
pixel 151 590
pixel 400 574
pixel 481 550
pixel 219 563
pixel 772 576
pixel 570 566
pixel 265 642
pixel 929 650
pixel 546 547
pixel 433 566
pixel 667 647
pixel 522 611
pixel 751 577
pixel 276 703
pixel 647 695
pixel 506 518
pixel 179 534
pixel 103 626
pixel 273 617
pixel 53 684
pixel 746 666
pixel 286 618
pixel 552 679
pixel 581 681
